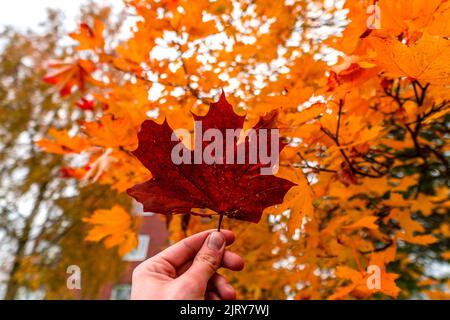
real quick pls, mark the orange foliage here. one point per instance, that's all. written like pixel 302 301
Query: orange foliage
pixel 356 130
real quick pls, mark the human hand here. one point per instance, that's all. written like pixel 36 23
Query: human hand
pixel 187 270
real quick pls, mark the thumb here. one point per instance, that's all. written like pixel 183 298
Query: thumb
pixel 208 258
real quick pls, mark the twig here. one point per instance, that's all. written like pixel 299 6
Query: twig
pixel 316 169
pixel 220 221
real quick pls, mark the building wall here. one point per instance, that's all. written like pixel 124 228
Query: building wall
pixel 154 228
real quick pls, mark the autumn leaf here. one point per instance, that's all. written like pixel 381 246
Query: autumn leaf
pixel 68 172
pixel 114 227
pixel 238 191
pixel 89 38
pixel 68 74
pixel 365 222
pixel 85 104
pixel 359 287
pixel 407 16
pixel 437 115
pixel 346 175
pixel 309 114
pixel 352 72
pixel 62 143
pixel 298 200
pixel 110 132
pixel 423 240
pixel 425 60
pixel 410 228
pixel 446 255
pixel 440 24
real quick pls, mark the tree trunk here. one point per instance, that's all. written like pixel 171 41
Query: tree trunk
pixel 12 285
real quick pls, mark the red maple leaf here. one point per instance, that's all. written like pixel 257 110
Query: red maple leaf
pixel 68 74
pixel 86 104
pixel 237 191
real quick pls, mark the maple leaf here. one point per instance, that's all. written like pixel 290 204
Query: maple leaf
pixel 238 191
pixel 110 132
pixel 352 72
pixel 410 228
pixel 98 167
pixel 69 73
pixel 358 286
pixel 425 60
pixel 89 38
pixel 114 227
pixel 86 104
pixel 408 15
pixel 68 172
pixel 62 143
pixel 365 222
pixel 299 200
pixel 346 175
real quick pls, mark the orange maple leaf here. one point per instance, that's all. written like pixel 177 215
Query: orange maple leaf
pixel 68 74
pixel 89 38
pixel 426 60
pixel 114 226
pixel 62 143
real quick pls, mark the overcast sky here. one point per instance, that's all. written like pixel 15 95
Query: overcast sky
pixel 26 14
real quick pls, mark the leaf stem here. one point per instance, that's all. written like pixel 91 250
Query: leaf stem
pixel 220 220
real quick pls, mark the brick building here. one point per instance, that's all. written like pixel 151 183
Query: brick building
pixel 153 236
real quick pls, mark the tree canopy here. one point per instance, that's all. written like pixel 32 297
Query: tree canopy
pixel 363 110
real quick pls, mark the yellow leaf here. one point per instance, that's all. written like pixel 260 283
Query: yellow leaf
pixel 110 132
pixel 365 222
pixel 437 115
pixel 62 143
pixel 440 24
pixel 426 60
pixel 446 255
pixel 423 204
pixel 309 114
pixel 298 200
pixel 342 292
pixel 421 240
pixel 348 273
pixel 90 38
pixel 114 226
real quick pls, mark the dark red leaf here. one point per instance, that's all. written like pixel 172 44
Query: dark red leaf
pixel 346 175
pixel 237 190
pixel 85 104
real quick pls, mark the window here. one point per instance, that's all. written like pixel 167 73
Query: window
pixel 138 210
pixel 27 294
pixel 140 253
pixel 121 292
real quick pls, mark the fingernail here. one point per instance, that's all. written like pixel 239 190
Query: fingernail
pixel 215 240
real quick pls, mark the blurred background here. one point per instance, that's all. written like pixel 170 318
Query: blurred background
pixel 40 210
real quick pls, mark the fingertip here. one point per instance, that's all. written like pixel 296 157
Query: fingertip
pixel 220 285
pixel 228 292
pixel 240 265
pixel 231 293
pixel 229 236
pixel 210 295
pixel 232 261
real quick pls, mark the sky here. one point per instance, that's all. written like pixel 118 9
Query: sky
pixel 27 14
